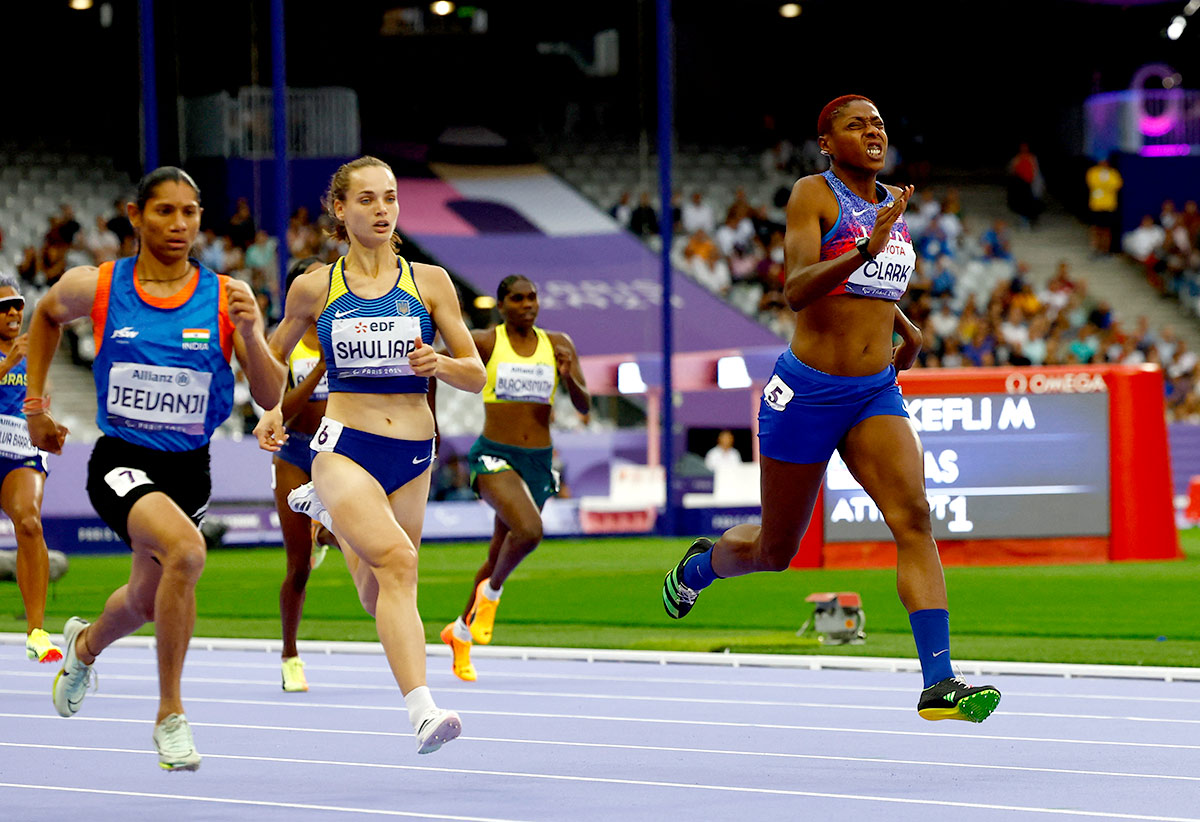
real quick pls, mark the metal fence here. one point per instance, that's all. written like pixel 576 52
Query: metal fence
pixel 321 122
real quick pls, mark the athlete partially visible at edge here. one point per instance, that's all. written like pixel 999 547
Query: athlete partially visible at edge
pixel 849 259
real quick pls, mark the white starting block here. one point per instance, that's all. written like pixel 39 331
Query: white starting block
pixel 838 619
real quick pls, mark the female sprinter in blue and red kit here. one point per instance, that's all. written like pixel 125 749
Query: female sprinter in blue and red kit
pixel 165 328
pixel 849 259
pixel 22 475
pixel 376 315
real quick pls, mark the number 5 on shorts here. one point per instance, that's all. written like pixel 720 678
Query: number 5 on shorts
pixel 124 480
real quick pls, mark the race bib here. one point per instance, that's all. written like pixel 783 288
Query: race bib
pixel 888 274
pixel 374 346
pixel 158 398
pixel 327 435
pixel 524 382
pixel 14 438
pixel 777 394
pixel 124 480
pixel 301 368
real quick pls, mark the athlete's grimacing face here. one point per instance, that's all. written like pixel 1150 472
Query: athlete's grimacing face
pixel 168 224
pixel 520 305
pixel 12 310
pixel 370 208
pixel 858 138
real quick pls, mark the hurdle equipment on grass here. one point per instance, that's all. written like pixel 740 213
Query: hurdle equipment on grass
pixel 838 619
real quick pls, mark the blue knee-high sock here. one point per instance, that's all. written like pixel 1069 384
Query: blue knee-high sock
pixel 931 631
pixel 698 572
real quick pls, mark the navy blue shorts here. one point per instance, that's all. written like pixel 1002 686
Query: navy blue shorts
pixel 8 465
pixel 297 451
pixel 392 462
pixel 805 413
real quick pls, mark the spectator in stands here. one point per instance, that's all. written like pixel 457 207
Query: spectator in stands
pixel 261 256
pixel 1103 183
pixel 698 216
pixel 723 453
pixel 737 229
pixel 643 221
pixel 451 479
pixel 996 242
pixel 1025 186
pixel 706 264
pixel 27 267
pixel 622 211
pixel 102 243
pixel 777 160
pixel 119 223
pixel 241 228
pixel 943 280
pixel 1145 242
pixel 302 239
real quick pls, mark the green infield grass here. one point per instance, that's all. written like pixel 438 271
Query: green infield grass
pixel 606 593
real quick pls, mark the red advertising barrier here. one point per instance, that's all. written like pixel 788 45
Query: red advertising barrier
pixel 1024 466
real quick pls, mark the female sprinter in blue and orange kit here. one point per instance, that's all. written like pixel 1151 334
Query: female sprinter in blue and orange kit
pixel 165 328
pixel 22 475
pixel 849 259
pixel 376 315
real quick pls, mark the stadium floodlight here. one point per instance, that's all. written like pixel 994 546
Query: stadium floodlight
pixel 789 10
pixel 732 373
pixel 1191 8
pixel 485 301
pixel 442 7
pixel 629 379
pixel 81 5
pixel 1175 30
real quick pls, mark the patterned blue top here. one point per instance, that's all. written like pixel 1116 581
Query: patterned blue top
pixel 886 277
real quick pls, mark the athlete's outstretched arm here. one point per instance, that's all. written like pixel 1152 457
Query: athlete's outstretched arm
pixel 570 372
pixel 808 277
pixel 304 301
pixel 68 299
pixel 462 368
pixel 265 373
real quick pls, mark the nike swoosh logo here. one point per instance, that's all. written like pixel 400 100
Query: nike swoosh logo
pixel 419 461
pixel 340 314
pixel 939 653
pixel 860 213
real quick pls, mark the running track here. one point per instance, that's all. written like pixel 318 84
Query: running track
pixel 568 739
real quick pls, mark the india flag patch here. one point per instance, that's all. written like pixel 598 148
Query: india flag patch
pixel 196 339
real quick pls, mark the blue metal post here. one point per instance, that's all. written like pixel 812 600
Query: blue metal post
pixel 149 88
pixel 279 97
pixel 666 109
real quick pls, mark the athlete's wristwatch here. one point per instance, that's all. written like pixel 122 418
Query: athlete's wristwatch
pixel 861 244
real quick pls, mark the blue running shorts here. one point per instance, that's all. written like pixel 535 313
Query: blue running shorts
pixel 8 465
pixel 297 451
pixel 805 413
pixel 392 462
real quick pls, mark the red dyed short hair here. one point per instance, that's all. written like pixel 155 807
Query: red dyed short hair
pixel 825 120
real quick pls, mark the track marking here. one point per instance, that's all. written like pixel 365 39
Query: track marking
pixel 870 760
pixel 614 781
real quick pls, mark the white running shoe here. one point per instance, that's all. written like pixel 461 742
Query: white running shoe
pixel 304 500
pixel 176 748
pixel 436 729
pixel 71 683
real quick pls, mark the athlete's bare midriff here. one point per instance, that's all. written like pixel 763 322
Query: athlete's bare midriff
pixel 399 416
pixel 524 424
pixel 845 335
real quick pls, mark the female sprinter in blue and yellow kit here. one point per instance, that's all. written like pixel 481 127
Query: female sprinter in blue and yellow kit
pixel 511 460
pixel 375 315
pixel 849 259
pixel 165 328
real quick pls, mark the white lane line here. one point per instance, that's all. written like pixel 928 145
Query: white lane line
pixel 675 700
pixel 869 760
pixel 634 677
pixel 259 803
pixel 684 785
pixel 642 720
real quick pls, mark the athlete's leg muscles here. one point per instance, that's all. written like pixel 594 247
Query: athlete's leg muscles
pixel 21 499
pixel 499 532
pixel 297 542
pixel 509 497
pixel 884 455
pixel 160 530
pixel 363 520
pixel 789 492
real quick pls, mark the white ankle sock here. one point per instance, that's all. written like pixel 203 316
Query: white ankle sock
pixel 460 630
pixel 492 593
pixel 419 702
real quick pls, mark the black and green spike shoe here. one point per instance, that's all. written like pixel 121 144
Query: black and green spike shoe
pixel 678 599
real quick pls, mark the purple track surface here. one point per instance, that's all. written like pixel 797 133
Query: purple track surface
pixel 565 740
